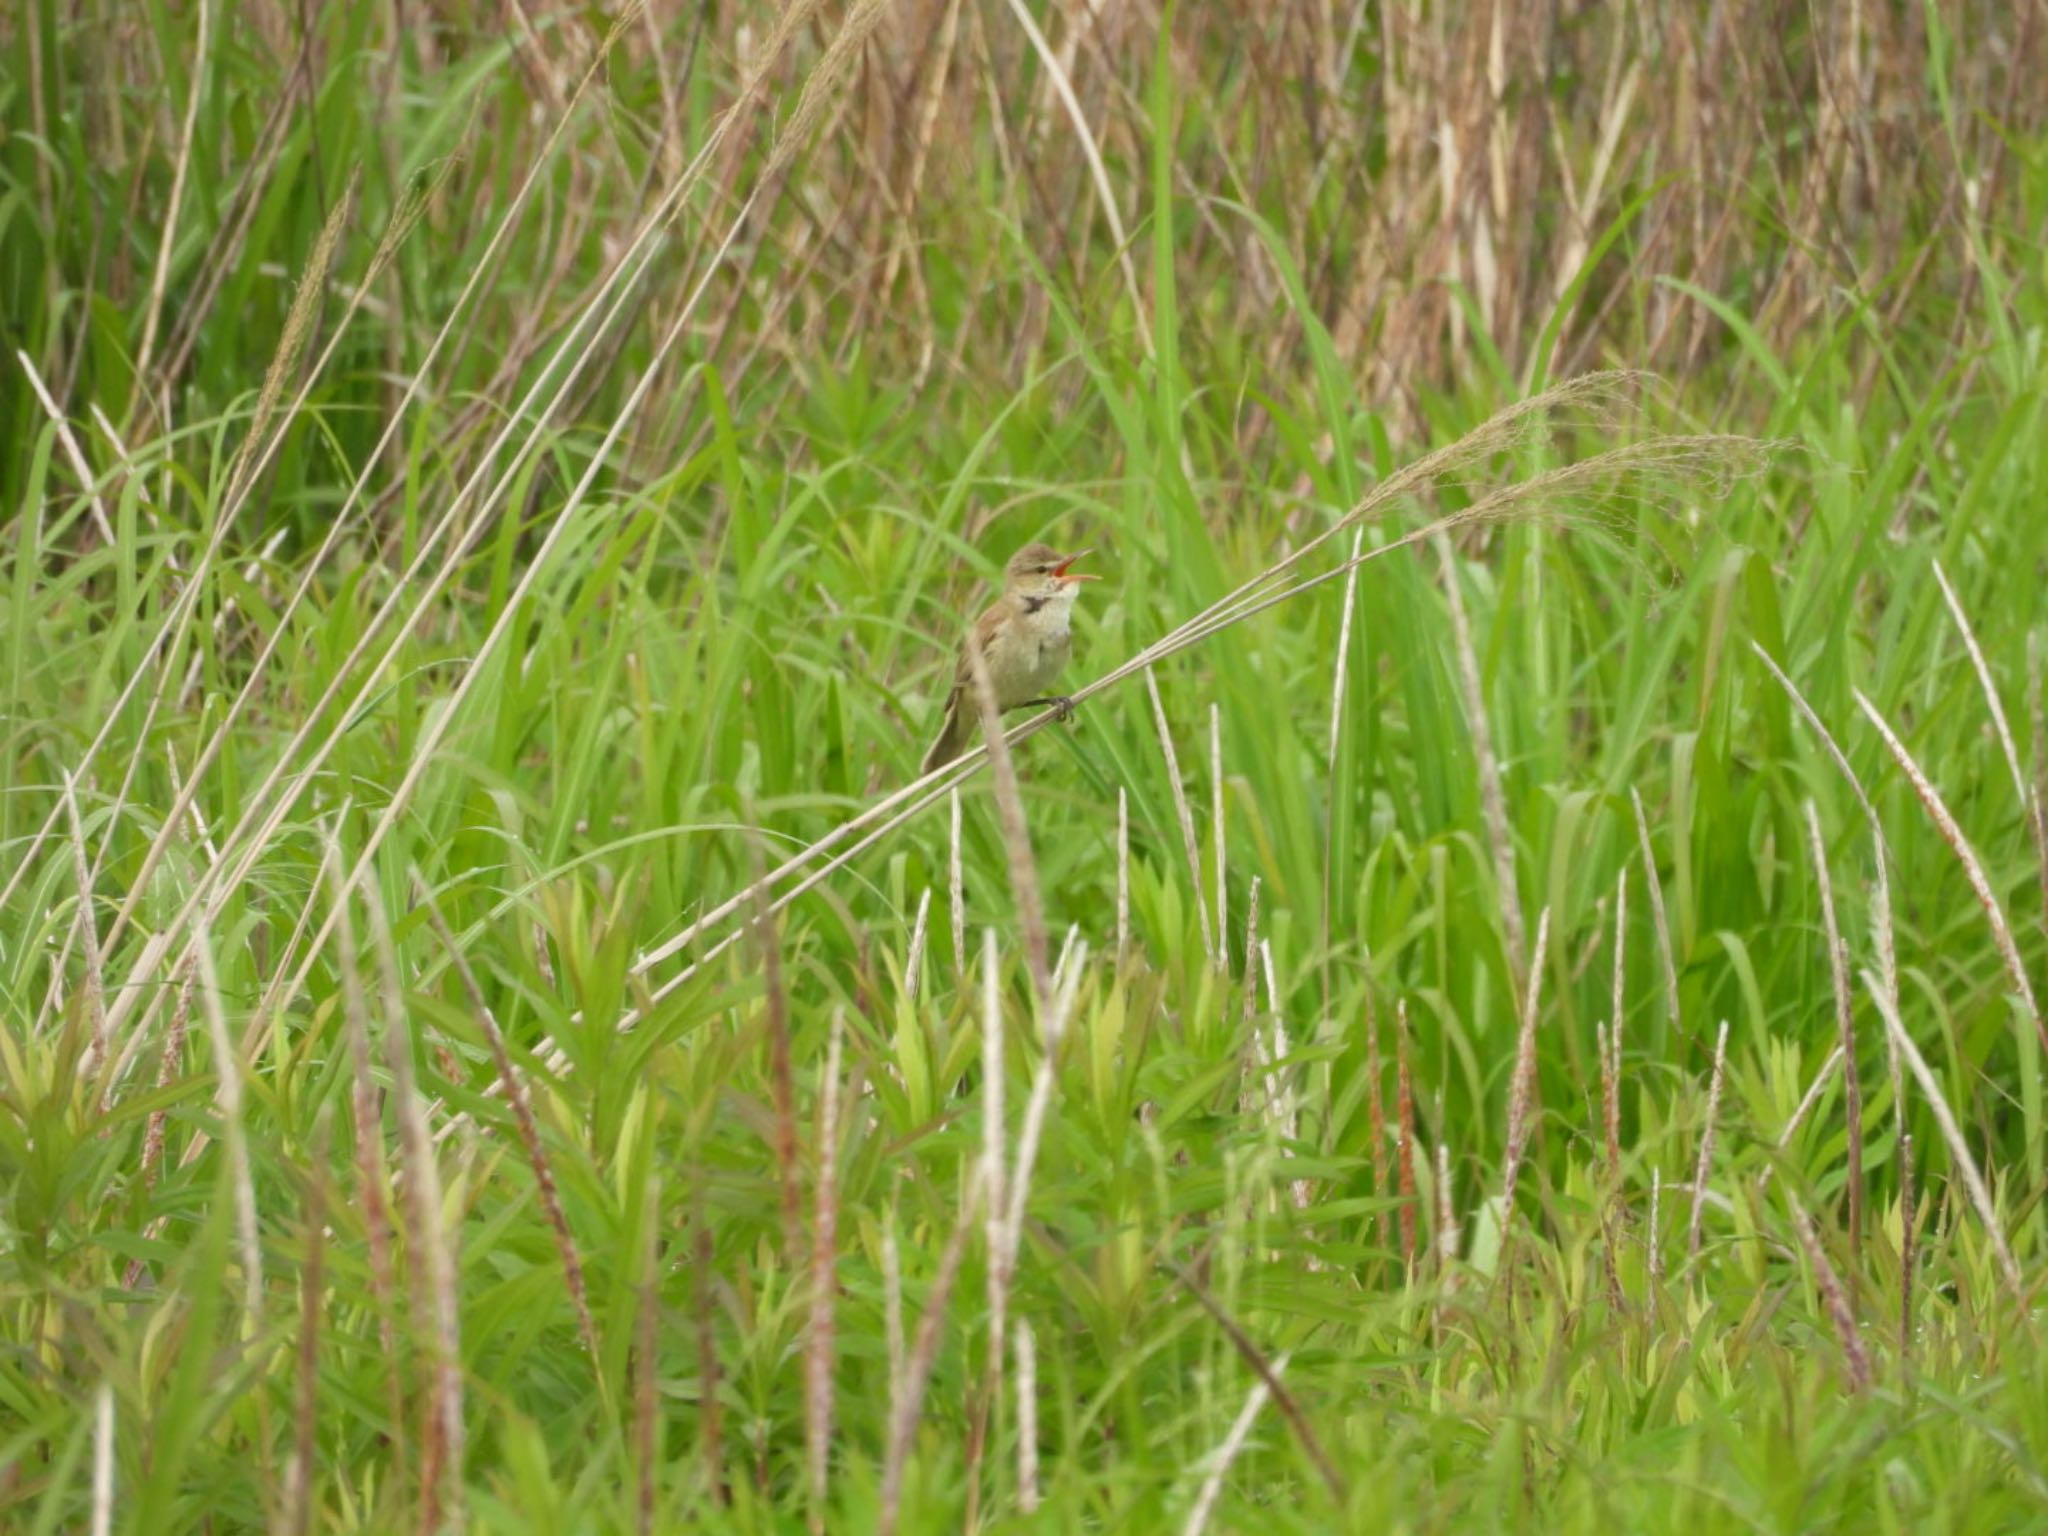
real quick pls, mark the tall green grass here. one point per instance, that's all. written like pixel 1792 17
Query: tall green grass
pixel 550 672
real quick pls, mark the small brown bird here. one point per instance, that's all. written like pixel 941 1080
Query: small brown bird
pixel 1024 639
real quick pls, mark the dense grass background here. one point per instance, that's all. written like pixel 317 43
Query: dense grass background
pixel 421 601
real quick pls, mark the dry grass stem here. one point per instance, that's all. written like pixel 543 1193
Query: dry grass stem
pixel 824 1285
pixel 1221 1458
pixel 94 994
pixel 1016 834
pixel 228 1099
pixel 1339 671
pixel 1959 1149
pixel 1522 1106
pixel 1657 917
pixel 1492 798
pixel 1973 868
pixel 1907 1217
pixel 103 1460
pixel 1652 1234
pixel 1187 821
pixel 1845 1030
pixel 1251 949
pixel 782 1076
pixel 1983 670
pixel 1611 1067
pixel 913 959
pixel 1703 1169
pixel 1123 876
pixel 1446 1213
pixel 1222 857
pixel 1027 1418
pixel 1404 1134
pixel 956 887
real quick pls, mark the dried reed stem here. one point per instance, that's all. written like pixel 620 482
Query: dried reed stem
pixel 1027 1418
pixel 1959 1149
pixel 1799 1113
pixel 1016 834
pixel 1973 868
pixel 824 1285
pixel 1705 1166
pixel 103 1460
pixel 1221 1458
pixel 1492 799
pixel 1522 1085
pixel 1187 821
pixel 1657 917
pixel 1845 1030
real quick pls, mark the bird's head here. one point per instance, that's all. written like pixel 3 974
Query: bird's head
pixel 1039 568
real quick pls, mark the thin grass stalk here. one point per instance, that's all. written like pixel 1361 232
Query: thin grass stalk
pixel 1492 798
pixel 1845 1029
pixel 103 1460
pixel 1016 833
pixel 1617 1009
pixel 298 1482
pixel 444 1437
pixel 1027 1418
pixel 1216 819
pixel 1035 1110
pixel 956 888
pixel 1799 1113
pixel 228 1099
pixel 1653 1236
pixel 913 959
pixel 1224 1455
pixel 1187 821
pixel 1404 1119
pixel 1123 877
pixel 1657 917
pixel 1375 1112
pixel 1704 1168
pixel 1522 1108
pixel 1855 1359
pixel 1907 1217
pixel 1959 1149
pixel 1251 949
pixel 994 1233
pixel 1983 669
pixel 527 1127
pixel 1973 868
pixel 647 1362
pixel 1881 899
pixel 917 1371
pixel 87 926
pixel 824 1286
pixel 152 314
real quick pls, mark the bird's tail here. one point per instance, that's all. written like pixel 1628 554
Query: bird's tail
pixel 952 736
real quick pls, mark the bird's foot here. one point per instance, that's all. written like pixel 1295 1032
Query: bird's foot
pixel 1062 707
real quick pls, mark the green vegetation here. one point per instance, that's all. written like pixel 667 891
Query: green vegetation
pixel 475 498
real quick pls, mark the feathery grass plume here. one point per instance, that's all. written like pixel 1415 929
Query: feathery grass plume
pixel 1522 1085
pixel 1881 898
pixel 1845 1029
pixel 103 1460
pixel 298 1482
pixel 87 927
pixel 1187 820
pixel 528 1128
pixel 1221 1458
pixel 1973 868
pixel 917 1370
pixel 1404 1134
pixel 1799 1113
pixel 1959 1149
pixel 647 1361
pixel 1657 917
pixel 824 1285
pixel 956 889
pixel 1704 1167
pixel 781 1074
pixel 1027 1418
pixel 228 1098
pixel 1290 1408
pixel 1855 1359
pixel 1016 834
pixel 444 1437
pixel 1493 802
pixel 1983 670
pixel 1610 1103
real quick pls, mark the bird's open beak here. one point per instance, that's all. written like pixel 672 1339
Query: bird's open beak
pixel 1062 573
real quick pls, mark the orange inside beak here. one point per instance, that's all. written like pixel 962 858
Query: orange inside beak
pixel 1062 573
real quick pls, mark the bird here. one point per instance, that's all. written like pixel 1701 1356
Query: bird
pixel 1024 637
